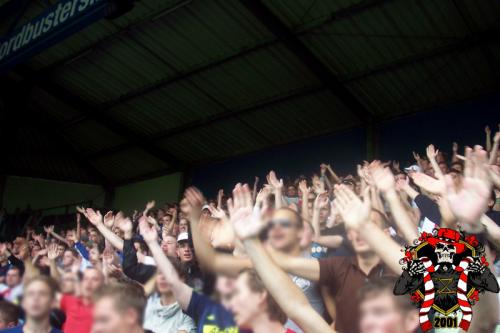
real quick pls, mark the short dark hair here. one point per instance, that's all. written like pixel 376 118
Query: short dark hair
pixel 380 286
pixel 125 295
pixel 9 312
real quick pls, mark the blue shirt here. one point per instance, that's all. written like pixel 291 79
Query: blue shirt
pixel 19 329
pixel 211 316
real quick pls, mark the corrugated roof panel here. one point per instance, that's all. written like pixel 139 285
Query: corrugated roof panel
pixel 445 78
pixel 172 106
pixel 255 77
pixel 302 12
pixel 223 139
pixel 56 109
pixel 202 32
pixel 122 66
pixel 99 31
pixel 484 14
pixel 89 136
pixel 376 37
pixel 310 115
pixel 128 164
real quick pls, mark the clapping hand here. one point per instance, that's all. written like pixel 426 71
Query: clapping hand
pixel 354 212
pixel 470 201
pixel 245 219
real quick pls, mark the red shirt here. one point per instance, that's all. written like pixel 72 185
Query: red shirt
pixel 78 315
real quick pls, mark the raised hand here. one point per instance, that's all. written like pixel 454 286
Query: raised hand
pixel 455 147
pixel 432 152
pixel 487 130
pixel 382 177
pixel 245 219
pixel 95 217
pixel 195 199
pixel 321 201
pixel 80 210
pixel 109 219
pixel 354 212
pixel 272 180
pixel 303 186
pixel 471 200
pixel 151 220
pixel 52 252
pixel 148 232
pixel 416 156
pixel 49 229
pixel 218 213
pixel 150 205
pixel 428 183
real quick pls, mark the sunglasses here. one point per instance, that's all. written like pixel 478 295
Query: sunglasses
pixel 281 222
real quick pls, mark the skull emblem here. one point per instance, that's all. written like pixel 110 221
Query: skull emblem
pixel 445 252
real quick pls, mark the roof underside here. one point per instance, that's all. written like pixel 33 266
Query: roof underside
pixel 175 84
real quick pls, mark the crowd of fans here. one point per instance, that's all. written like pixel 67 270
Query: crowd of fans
pixel 319 254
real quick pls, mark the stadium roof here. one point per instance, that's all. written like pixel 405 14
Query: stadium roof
pixel 176 84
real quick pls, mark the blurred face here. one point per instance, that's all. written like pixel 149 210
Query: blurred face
pixel 358 244
pixel 161 284
pixel 457 179
pixel 167 219
pixel 291 191
pixel 379 314
pixel 35 250
pixel 225 288
pixel 443 167
pixel 13 278
pixel 246 304
pixel 324 213
pixel 184 252
pixel 205 213
pixel 284 234
pixel 184 206
pixel 60 250
pixel 169 246
pixel 92 279
pixel 37 300
pixel 93 236
pixel 184 225
pixel 107 318
pixel 68 283
pixel 161 214
pixel 94 254
pixel 68 259
pixel 458 166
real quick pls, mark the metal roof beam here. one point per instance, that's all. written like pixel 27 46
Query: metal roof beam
pixel 298 48
pixel 216 118
pixel 477 38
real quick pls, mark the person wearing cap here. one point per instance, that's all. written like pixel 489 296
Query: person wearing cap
pixel 195 278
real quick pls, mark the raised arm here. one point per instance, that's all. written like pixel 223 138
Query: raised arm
pixel 52 256
pixel 304 190
pixel 181 291
pixel 487 131
pixel 288 296
pixel 384 180
pixel 356 214
pixel 208 258
pixel 331 241
pixel 50 231
pixel 96 218
pixel 432 152
pixel 277 186
pixel 494 150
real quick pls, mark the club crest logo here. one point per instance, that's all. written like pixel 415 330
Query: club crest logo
pixel 444 273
